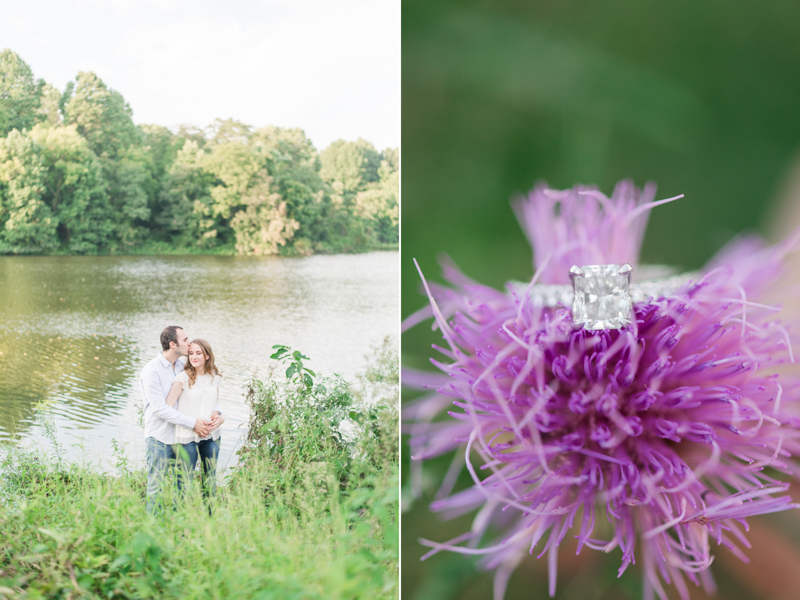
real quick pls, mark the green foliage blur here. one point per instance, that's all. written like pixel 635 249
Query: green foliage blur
pixel 702 98
pixel 78 177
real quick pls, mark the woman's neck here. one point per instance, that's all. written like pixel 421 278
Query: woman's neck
pixel 200 370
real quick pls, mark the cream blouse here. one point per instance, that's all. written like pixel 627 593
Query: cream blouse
pixel 197 401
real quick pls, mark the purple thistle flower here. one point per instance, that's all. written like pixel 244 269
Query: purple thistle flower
pixel 665 428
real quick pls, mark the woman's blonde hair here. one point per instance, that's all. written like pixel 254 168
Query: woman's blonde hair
pixel 209 366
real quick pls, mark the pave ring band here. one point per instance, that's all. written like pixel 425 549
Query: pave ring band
pixel 602 296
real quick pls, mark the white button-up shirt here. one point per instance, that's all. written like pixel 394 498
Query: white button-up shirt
pixel 160 418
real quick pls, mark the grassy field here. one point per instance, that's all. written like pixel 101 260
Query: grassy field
pixel 310 512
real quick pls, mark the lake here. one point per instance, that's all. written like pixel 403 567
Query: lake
pixel 75 332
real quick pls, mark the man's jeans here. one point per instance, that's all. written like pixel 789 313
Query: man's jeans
pixel 160 465
pixel 209 453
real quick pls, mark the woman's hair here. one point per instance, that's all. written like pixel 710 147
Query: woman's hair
pixel 209 367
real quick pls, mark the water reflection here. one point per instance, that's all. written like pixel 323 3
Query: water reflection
pixel 84 379
pixel 76 331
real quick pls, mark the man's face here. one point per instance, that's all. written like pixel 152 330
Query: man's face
pixel 183 343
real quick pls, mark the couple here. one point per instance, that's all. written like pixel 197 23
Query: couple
pixel 181 412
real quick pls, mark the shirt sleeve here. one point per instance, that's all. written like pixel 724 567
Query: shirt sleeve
pixel 156 399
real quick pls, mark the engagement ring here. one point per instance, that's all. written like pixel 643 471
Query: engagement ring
pixel 602 296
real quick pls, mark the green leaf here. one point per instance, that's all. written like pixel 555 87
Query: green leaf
pixel 310 372
pixel 291 371
pixel 307 379
pixel 57 536
pixel 120 561
pixel 141 542
pixel 279 352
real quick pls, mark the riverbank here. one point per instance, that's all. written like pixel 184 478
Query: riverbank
pixel 163 248
pixel 167 249
pixel 311 511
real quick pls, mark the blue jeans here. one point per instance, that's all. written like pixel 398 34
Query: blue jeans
pixel 160 462
pixel 208 450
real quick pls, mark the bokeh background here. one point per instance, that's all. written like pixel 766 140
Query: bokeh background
pixel 702 98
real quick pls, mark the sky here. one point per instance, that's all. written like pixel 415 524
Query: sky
pixel 330 67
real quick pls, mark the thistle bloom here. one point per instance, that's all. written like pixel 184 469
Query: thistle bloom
pixel 658 438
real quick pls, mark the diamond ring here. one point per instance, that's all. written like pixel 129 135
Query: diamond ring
pixel 602 296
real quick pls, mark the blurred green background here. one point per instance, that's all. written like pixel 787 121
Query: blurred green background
pixel 702 98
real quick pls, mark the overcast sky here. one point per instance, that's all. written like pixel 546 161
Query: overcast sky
pixel 330 67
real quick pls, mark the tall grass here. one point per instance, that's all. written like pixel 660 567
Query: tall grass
pixel 309 512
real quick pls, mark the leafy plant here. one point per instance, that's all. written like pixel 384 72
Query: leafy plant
pixel 296 371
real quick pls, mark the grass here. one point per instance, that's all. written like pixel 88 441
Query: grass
pixel 318 522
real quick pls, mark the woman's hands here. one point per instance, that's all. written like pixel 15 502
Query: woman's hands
pixel 202 428
pixel 216 420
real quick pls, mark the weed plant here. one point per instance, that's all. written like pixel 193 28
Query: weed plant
pixel 309 511
pixel 340 435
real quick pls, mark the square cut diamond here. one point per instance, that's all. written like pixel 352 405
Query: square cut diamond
pixel 602 296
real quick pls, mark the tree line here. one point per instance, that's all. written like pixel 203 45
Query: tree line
pixel 78 176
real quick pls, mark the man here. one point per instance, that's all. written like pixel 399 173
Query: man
pixel 159 418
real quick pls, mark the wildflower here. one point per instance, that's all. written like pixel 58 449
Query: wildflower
pixel 664 428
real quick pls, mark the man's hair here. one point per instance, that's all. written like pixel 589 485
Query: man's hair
pixel 170 334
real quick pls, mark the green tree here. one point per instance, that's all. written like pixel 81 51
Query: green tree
pixel 263 225
pixel 101 115
pixel 245 197
pixel 392 157
pixel 78 175
pixel 20 94
pixel 224 131
pixel 191 133
pixel 234 166
pixel 49 111
pixel 74 189
pixel 287 145
pixel 185 213
pixel 379 205
pixel 27 225
pixel 294 165
pixel 350 166
pixel 164 146
pixel 372 161
pixel 132 183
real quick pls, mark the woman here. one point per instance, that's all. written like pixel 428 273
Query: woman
pixel 196 391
